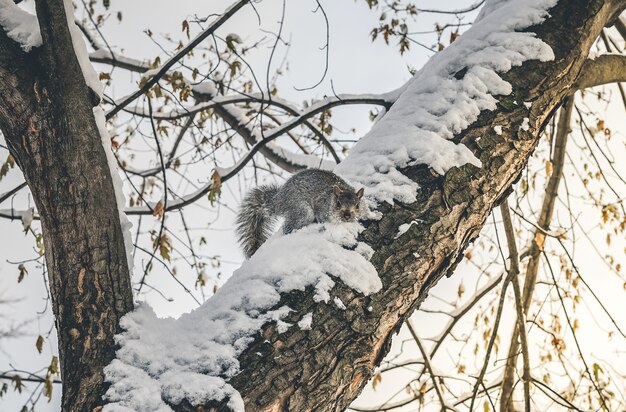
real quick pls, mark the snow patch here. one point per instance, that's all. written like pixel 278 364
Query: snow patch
pixel 403 228
pixel 27 218
pixel 339 303
pixel 306 321
pixel 525 124
pixel 498 130
pixel 20 25
pixel 80 49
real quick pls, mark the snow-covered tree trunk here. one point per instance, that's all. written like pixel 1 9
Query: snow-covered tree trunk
pixel 47 118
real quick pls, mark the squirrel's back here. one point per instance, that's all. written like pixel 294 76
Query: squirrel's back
pixel 312 195
pixel 307 186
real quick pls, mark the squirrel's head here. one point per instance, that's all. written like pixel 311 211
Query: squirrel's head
pixel 346 203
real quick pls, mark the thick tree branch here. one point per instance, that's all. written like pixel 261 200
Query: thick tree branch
pixel 604 69
pixel 297 370
pixel 609 48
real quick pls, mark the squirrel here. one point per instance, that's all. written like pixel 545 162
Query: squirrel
pixel 310 196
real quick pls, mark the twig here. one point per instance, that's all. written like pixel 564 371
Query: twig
pixel 426 358
pixel 181 53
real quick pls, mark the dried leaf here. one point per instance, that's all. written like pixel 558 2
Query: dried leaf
pixel 53 369
pixel 596 371
pixel 548 168
pixel 186 28
pixel 216 187
pixel 540 239
pixel 158 210
pixel 165 247
pixel 231 40
pixel 23 273
pixel 600 125
pixel 17 383
pixel 47 388
pixel 376 380
pixel 6 166
pixel 39 344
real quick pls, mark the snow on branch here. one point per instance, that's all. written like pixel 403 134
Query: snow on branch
pixel 194 357
pixel 162 361
pixel 20 25
pixel 444 98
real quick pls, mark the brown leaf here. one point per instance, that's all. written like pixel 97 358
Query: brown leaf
pixel 17 382
pixel 548 168
pixel 39 344
pixel 376 380
pixel 158 210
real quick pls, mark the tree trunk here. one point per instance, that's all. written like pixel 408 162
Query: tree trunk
pixel 324 369
pixel 47 119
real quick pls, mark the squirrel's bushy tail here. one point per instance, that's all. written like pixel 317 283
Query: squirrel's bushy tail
pixel 255 218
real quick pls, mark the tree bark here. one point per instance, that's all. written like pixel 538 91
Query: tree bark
pixel 324 369
pixel 47 119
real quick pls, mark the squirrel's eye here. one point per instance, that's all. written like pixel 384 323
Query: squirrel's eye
pixel 338 204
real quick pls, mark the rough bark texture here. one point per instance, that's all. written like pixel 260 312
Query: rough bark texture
pixel 324 369
pixel 47 119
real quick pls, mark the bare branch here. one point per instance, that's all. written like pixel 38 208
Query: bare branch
pixel 161 71
pixel 521 318
pixel 428 366
pixel 468 9
pixel 11 192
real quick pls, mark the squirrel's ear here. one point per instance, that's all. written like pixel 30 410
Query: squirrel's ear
pixel 337 190
pixel 359 194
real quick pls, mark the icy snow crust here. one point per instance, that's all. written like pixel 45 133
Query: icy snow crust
pixel 435 105
pixel 20 25
pixel 163 361
pixel 166 360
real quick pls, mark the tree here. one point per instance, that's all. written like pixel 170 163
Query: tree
pixel 56 139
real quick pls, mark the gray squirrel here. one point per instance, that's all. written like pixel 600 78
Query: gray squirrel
pixel 310 196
